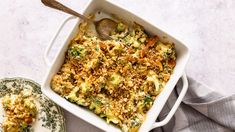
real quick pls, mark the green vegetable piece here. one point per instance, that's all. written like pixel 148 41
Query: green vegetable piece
pixel 112 33
pixel 96 105
pixel 23 125
pixel 98 102
pixel 121 27
pixel 77 50
pixel 5 105
pixel 92 106
pixel 147 99
pixel 132 33
pixel 97 48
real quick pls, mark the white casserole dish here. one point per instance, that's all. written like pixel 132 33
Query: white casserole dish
pixel 149 123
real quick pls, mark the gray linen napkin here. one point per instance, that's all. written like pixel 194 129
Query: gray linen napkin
pixel 202 110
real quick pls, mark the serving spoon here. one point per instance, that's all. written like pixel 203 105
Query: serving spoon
pixel 103 27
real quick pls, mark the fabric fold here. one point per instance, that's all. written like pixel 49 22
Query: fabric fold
pixel 202 110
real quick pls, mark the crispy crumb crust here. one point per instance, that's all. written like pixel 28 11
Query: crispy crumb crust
pixel 20 111
pixel 117 79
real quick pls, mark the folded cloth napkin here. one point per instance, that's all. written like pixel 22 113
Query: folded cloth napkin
pixel 202 110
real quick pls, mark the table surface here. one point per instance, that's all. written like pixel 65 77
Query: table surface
pixel 206 27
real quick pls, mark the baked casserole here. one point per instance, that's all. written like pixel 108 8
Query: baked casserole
pixel 20 111
pixel 117 79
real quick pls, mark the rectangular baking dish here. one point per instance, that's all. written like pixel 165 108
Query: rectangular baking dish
pixel 114 9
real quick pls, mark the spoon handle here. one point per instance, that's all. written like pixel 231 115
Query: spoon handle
pixel 56 5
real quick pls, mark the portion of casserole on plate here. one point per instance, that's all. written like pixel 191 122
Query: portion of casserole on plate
pixel 20 111
pixel 117 79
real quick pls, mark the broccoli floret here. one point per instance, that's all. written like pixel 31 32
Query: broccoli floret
pixel 147 99
pixel 77 50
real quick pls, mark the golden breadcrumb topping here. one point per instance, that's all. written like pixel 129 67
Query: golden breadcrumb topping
pixel 20 111
pixel 117 79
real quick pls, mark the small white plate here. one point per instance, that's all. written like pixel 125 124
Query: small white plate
pixel 50 117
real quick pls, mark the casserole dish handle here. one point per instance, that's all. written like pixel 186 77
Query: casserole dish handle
pixel 176 105
pixel 54 38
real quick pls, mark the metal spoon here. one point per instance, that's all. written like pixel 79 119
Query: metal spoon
pixel 103 27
